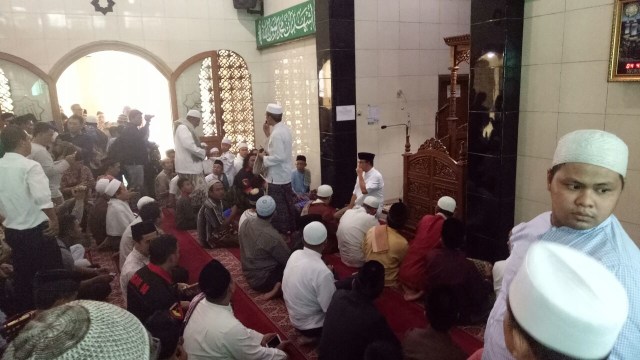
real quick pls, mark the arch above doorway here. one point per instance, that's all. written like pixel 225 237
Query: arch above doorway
pixel 105 45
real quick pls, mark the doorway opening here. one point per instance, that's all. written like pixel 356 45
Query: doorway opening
pixel 107 81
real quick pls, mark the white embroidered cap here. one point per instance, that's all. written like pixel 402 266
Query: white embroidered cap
pixel 113 187
pixel 82 329
pixel 194 113
pixel 447 203
pixel 325 191
pixel 214 150
pixel 595 147
pixel 265 206
pixel 274 109
pixel 101 186
pixel 144 201
pixel 372 201
pixel 243 145
pixel 226 141
pixel 314 233
pixel 568 301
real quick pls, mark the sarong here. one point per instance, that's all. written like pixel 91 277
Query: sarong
pixel 284 219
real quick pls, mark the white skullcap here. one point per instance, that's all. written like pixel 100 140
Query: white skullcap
pixel 144 201
pixel 194 113
pixel 447 203
pixel 315 233
pixel 568 301
pixel 91 119
pixel 265 206
pixel 325 191
pixel 209 178
pixel 82 330
pixel 595 147
pixel 274 109
pixel 214 150
pixel 372 201
pixel 203 144
pixel 101 186
pixel 226 141
pixel 212 181
pixel 113 187
pixel 243 145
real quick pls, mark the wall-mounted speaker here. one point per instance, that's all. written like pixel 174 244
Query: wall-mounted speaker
pixel 244 4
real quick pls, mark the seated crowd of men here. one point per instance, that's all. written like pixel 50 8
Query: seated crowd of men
pixel 55 202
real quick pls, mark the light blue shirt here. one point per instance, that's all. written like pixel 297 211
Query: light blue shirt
pixel 297 182
pixel 607 242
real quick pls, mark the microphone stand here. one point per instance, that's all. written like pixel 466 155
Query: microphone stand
pixel 407 144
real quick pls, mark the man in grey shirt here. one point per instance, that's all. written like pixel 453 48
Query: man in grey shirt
pixel 263 252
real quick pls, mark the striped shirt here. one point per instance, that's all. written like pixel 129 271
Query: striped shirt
pixel 607 243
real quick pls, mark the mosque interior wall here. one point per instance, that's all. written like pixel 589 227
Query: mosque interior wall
pixel 565 57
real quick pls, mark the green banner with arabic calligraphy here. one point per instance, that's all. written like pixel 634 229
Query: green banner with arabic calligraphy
pixel 286 25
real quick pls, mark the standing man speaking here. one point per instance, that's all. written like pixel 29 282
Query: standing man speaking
pixel 279 164
pixel 190 155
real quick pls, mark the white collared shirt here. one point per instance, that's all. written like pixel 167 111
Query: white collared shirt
pixel 351 233
pixel 24 192
pixel 237 163
pixel 126 241
pixel 227 160
pixel 279 162
pixel 185 148
pixel 53 170
pixel 374 183
pixel 134 262
pixel 307 288
pixel 119 216
pixel 213 332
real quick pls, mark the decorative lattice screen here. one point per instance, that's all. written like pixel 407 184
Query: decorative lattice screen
pixel 6 104
pixel 205 78
pixel 235 98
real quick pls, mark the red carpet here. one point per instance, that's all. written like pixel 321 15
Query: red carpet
pixel 403 316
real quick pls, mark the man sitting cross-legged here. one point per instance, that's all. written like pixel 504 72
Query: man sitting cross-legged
pixel 263 252
pixel 352 321
pixel 213 229
pixel 352 229
pixel 213 332
pixel 308 284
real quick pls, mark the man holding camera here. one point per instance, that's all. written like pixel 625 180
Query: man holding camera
pixel 133 149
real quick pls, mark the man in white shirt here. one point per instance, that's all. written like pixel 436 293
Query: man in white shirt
pixel 152 213
pixel 190 155
pixel 308 284
pixel 119 214
pixel 368 183
pixel 25 209
pixel 279 164
pixel 42 139
pixel 243 151
pixel 352 231
pixel 213 332
pixel 142 233
pixel 228 159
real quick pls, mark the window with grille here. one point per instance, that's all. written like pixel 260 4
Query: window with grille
pixel 6 104
pixel 225 97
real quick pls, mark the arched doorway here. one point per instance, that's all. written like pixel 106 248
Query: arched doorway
pixel 107 76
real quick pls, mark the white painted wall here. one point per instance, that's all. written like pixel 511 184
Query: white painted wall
pixel 399 45
pixel 564 88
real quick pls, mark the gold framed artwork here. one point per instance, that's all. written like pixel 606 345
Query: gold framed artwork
pixel 624 63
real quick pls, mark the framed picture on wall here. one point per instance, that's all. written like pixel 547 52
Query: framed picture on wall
pixel 624 64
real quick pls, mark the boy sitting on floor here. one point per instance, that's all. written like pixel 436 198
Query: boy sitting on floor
pixel 185 213
pixel 119 214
